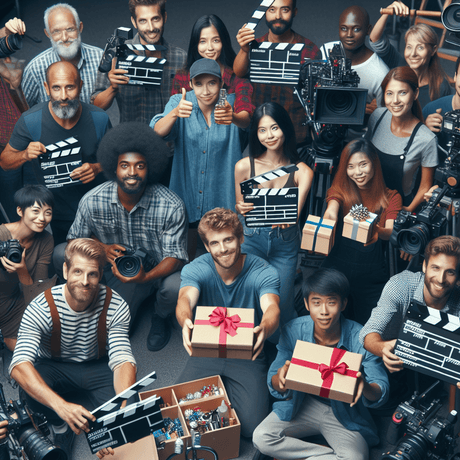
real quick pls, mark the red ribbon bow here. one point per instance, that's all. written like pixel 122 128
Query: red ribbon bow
pixel 229 323
pixel 328 370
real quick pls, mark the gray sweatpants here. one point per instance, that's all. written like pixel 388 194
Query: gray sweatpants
pixel 283 440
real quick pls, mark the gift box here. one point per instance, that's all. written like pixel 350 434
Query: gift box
pixel 318 235
pixel 220 332
pixel 358 224
pixel 324 371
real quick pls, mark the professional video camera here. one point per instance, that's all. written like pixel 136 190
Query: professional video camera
pixel 27 433
pixel 425 437
pixel 130 263
pixel 12 250
pixel 115 48
pixel 450 19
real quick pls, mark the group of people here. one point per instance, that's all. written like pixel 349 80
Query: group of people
pixel 169 174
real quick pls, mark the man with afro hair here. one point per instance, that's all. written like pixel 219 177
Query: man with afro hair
pixel 132 211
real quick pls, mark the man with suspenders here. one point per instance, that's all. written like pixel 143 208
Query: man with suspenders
pixel 74 337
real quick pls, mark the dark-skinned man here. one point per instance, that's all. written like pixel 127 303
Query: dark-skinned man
pixel 90 351
pixel 132 211
pixel 63 117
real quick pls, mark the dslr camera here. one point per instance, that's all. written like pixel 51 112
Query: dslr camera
pixel 412 232
pixel 12 250
pixel 114 47
pixel 130 263
pixel 423 436
pixel 27 434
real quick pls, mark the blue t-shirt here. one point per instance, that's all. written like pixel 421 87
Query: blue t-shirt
pixel 256 279
pixel 38 125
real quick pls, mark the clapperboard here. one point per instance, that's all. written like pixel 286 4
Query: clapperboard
pixel 60 159
pixel 429 342
pixel 133 422
pixel 275 63
pixel 142 70
pixel 272 206
pixel 259 13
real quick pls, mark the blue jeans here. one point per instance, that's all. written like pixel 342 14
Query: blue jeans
pixel 280 248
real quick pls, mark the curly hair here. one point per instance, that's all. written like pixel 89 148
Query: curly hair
pixel 220 219
pixel 133 137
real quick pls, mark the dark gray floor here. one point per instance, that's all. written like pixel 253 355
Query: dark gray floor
pixel 316 20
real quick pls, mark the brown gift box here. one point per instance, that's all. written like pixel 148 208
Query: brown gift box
pixel 361 231
pixel 324 235
pixel 225 441
pixel 311 362
pixel 209 341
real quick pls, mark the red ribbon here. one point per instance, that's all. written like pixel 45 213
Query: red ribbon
pixel 328 370
pixel 227 324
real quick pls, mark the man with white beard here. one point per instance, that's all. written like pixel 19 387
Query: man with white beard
pixel 62 117
pixel 63 27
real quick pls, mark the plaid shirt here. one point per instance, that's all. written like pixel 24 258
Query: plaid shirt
pixel 157 223
pixel 284 95
pixel 142 103
pixel 35 73
pixel 388 316
pixel 233 84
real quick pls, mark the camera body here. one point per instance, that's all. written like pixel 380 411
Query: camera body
pixel 130 263
pixel 423 436
pixel 328 90
pixel 12 250
pixel 114 47
pixel 412 232
pixel 27 433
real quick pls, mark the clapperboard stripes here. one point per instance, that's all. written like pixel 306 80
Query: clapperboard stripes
pixel 259 13
pixel 429 342
pixel 60 159
pixel 133 422
pixel 275 63
pixel 142 70
pixel 272 206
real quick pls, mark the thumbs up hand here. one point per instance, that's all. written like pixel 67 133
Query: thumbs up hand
pixel 184 109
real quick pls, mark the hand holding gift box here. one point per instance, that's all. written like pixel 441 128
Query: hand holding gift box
pixel 318 235
pixel 324 371
pixel 359 223
pixel 220 332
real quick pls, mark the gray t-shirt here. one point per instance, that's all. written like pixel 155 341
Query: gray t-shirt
pixel 423 151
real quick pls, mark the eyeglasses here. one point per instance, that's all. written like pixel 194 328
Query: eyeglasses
pixel 69 31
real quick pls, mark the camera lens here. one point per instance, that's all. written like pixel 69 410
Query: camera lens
pixel 414 447
pixel 341 103
pixel 38 447
pixel 128 266
pixel 15 255
pixel 413 240
pixel 451 17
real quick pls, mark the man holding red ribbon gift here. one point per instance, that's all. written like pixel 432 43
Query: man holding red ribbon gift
pixel 225 277
pixel 348 429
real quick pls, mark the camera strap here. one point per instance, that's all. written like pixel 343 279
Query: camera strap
pixel 56 331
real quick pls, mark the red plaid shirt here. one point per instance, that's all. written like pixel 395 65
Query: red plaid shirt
pixel 233 84
pixel 284 95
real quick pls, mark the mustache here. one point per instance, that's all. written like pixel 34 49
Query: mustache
pixel 154 31
pixel 278 21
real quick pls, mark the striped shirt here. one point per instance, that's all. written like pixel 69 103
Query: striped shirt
pixel 35 73
pixel 388 316
pixel 78 331
pixel 157 222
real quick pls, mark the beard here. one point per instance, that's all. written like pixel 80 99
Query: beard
pixel 228 264
pixel 285 26
pixel 148 40
pixel 131 189
pixel 82 296
pixel 67 111
pixel 67 52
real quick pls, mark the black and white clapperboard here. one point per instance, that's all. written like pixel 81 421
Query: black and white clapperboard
pixel 429 342
pixel 272 206
pixel 60 159
pixel 114 428
pixel 142 70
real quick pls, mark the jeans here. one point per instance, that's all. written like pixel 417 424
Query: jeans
pixel 280 248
